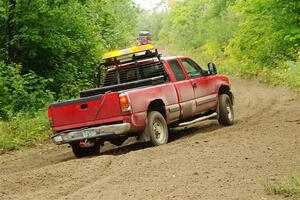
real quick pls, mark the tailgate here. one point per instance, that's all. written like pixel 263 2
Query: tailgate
pixel 75 112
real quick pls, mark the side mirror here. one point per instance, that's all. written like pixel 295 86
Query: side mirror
pixel 212 68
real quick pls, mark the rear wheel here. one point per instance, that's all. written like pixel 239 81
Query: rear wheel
pixel 157 128
pixel 225 110
pixel 81 152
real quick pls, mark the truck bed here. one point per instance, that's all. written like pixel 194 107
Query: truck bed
pixel 124 86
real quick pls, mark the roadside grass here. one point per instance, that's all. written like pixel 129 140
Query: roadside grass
pixel 24 130
pixel 288 188
pixel 287 75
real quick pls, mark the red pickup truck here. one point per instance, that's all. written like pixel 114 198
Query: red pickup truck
pixel 142 95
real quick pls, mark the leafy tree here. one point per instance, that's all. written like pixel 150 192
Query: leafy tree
pixel 270 33
pixel 200 24
pixel 51 47
pixel 63 40
pixel 260 32
pixel 150 21
pixel 3 21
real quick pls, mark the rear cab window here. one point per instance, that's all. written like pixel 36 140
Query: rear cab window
pixel 133 72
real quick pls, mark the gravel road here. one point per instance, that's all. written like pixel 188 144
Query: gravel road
pixel 206 161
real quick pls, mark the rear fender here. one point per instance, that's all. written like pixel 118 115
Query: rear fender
pixel 154 105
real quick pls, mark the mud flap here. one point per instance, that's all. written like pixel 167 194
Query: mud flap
pixel 144 137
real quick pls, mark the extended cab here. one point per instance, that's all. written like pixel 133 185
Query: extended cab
pixel 142 95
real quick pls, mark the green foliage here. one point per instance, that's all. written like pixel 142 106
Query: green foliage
pixel 3 18
pixel 150 21
pixel 288 74
pixel 200 24
pixel 251 38
pixel 267 44
pixel 24 130
pixel 289 188
pixel 117 20
pixel 21 93
pixel 64 40
pixel 270 32
pixel 49 51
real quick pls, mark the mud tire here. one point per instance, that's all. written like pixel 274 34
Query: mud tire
pixel 157 128
pixel 225 110
pixel 81 152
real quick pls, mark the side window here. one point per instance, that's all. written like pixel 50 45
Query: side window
pixel 177 70
pixel 192 68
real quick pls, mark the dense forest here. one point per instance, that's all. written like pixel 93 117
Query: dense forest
pixel 257 38
pixel 49 48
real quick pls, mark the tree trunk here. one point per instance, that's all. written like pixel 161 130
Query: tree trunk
pixel 11 5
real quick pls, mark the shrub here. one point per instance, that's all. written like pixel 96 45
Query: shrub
pixel 21 93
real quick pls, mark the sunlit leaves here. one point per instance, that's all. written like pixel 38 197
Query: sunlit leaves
pixel 195 23
pixel 270 32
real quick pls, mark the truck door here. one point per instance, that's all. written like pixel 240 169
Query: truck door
pixel 184 88
pixel 204 90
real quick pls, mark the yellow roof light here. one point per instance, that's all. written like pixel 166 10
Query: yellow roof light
pixel 124 52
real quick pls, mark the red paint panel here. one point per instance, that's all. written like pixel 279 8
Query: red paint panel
pixel 185 90
pixel 141 98
pixel 138 121
pixel 76 113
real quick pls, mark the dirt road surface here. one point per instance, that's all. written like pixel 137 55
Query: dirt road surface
pixel 204 162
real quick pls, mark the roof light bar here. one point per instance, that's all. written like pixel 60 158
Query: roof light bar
pixel 124 52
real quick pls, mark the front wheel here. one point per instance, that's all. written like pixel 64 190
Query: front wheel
pixel 81 152
pixel 157 128
pixel 225 110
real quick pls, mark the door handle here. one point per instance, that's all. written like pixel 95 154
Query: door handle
pixel 194 85
pixel 84 106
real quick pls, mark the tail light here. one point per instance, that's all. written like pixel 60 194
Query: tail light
pixel 124 103
pixel 50 116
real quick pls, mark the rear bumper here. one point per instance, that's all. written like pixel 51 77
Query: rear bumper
pixel 104 131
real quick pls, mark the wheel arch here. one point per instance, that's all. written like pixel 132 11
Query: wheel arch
pixel 159 106
pixel 225 89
